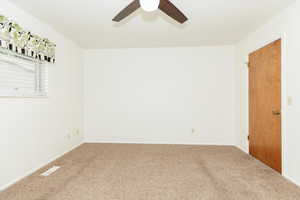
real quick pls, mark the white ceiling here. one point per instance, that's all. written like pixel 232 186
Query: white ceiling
pixel 211 22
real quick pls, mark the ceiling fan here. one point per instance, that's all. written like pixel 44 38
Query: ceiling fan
pixel 151 5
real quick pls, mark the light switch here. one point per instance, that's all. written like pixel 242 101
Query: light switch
pixel 290 101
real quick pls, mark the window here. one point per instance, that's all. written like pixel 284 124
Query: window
pixel 22 77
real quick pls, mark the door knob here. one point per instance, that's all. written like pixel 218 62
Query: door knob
pixel 276 112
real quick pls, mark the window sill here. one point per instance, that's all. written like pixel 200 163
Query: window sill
pixel 24 96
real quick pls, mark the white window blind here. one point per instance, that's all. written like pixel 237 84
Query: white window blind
pixel 22 77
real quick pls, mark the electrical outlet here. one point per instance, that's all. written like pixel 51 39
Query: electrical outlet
pixel 69 134
pixel 195 131
pixel 77 132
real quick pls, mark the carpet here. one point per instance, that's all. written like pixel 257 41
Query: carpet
pixel 154 172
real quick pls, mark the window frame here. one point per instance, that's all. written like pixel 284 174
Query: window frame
pixel 39 66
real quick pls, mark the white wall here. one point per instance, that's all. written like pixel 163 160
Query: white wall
pixel 33 131
pixel 159 95
pixel 285 26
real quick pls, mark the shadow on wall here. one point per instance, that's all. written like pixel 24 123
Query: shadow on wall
pixel 149 17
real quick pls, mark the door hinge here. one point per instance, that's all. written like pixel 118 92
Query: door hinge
pixel 248 137
pixel 247 64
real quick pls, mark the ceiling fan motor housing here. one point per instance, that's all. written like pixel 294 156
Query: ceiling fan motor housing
pixel 149 5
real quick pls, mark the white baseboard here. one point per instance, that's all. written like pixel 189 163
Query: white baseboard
pixel 291 180
pixel 242 149
pixel 130 141
pixel 2 188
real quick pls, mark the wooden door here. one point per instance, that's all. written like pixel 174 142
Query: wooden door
pixel 265 105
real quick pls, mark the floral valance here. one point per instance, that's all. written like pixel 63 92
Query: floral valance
pixel 14 38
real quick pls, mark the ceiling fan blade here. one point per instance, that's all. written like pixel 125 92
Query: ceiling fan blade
pixel 170 9
pixel 133 6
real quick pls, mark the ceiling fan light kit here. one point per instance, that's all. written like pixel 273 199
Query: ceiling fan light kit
pixel 151 5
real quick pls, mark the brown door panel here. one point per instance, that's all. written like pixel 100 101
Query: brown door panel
pixel 265 105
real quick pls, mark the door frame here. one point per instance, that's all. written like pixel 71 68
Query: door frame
pixel 284 95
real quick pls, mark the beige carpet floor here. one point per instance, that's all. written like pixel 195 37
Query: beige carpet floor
pixel 154 172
